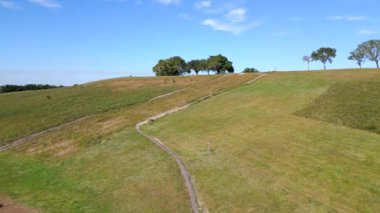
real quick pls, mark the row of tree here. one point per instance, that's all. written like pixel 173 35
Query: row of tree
pixel 18 88
pixel 369 50
pixel 220 64
pixel 176 66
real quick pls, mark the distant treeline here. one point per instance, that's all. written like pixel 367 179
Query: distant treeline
pixel 18 88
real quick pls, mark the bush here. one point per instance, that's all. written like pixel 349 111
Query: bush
pixel 250 70
pixel 18 88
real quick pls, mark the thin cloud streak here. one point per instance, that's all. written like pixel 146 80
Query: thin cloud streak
pixel 46 3
pixel 347 18
pixel 229 27
pixel 8 5
pixel 167 2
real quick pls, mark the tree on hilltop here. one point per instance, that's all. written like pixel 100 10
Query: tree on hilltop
pixel 220 64
pixel 173 66
pixel 371 50
pixel 307 59
pixel 358 55
pixel 324 55
pixel 197 65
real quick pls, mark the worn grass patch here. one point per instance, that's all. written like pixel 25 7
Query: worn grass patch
pixel 355 104
pixel 23 113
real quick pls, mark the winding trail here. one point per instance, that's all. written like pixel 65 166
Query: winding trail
pixel 194 198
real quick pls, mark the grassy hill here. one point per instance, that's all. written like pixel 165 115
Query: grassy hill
pixel 284 144
pixel 102 164
pixel 294 141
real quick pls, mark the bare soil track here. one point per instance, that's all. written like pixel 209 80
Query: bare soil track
pixel 8 206
pixel 39 134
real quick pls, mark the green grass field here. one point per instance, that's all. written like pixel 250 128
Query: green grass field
pixel 291 142
pixel 102 164
pixel 267 157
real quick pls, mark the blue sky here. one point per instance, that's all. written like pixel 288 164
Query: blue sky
pixel 67 41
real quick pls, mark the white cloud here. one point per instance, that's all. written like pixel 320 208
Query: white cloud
pixel 228 27
pixel 168 1
pixel 203 4
pixel 46 3
pixel 237 15
pixel 8 4
pixel 346 18
pixel 367 32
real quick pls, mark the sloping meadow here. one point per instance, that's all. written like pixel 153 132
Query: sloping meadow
pixel 249 152
pixel 102 164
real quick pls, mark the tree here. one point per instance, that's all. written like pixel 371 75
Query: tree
pixel 372 50
pixel 220 64
pixel 196 65
pixel 358 55
pixel 193 65
pixel 173 66
pixel 307 59
pixel 203 66
pixel 250 70
pixel 324 55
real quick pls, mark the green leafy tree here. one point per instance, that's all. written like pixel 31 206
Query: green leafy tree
pixel 358 55
pixel 195 65
pixel 173 66
pixel 250 70
pixel 220 64
pixel 324 55
pixel 372 50
pixel 307 59
pixel 203 66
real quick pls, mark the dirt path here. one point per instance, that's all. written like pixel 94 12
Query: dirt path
pixel 39 134
pixel 8 206
pixel 168 94
pixel 194 199
pixel 256 79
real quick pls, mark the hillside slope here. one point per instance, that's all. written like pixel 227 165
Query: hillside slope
pixel 23 113
pixel 248 151
pixel 102 164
